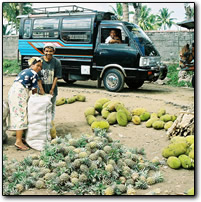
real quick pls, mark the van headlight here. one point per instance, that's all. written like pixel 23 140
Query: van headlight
pixel 149 61
pixel 144 61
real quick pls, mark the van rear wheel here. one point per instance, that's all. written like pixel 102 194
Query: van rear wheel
pixel 134 84
pixel 113 80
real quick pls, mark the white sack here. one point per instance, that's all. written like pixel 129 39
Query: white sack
pixel 39 120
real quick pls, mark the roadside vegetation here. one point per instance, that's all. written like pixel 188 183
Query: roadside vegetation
pixel 173 71
pixel 11 66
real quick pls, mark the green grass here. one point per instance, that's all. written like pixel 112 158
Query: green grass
pixel 173 76
pixel 11 66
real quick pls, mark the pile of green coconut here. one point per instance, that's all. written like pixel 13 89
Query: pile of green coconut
pixel 115 112
pixel 89 165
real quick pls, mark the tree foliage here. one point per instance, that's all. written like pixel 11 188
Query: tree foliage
pixel 147 21
pixel 12 10
pixel 164 20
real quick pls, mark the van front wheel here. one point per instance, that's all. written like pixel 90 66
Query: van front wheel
pixel 113 80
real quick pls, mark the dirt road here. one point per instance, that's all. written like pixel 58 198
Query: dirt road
pixel 70 119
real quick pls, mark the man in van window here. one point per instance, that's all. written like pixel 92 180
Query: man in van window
pixel 48 76
pixel 113 38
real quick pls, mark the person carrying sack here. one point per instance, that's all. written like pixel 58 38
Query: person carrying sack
pixel 18 96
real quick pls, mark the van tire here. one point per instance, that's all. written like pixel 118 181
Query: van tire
pixel 113 80
pixel 134 84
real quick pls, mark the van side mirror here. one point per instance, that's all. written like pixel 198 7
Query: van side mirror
pixel 127 40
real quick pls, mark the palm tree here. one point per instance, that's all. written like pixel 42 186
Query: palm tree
pixel 189 12
pixel 118 11
pixel 146 20
pixel 164 20
pixel 137 7
pixel 12 10
pixel 125 12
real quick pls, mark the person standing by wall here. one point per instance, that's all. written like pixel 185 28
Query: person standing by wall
pixel 18 99
pixel 50 73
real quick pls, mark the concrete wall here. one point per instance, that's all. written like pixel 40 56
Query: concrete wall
pixel 168 43
pixel 10 47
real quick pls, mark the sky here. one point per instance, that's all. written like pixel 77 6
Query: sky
pixel 177 8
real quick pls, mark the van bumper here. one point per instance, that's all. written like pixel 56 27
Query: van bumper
pixel 147 73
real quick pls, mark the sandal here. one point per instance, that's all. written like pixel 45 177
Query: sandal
pixel 21 148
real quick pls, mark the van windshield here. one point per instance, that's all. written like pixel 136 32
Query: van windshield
pixel 138 34
pixel 143 41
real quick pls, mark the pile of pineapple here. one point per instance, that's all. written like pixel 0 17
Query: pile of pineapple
pixel 115 112
pixel 90 165
pixel 180 152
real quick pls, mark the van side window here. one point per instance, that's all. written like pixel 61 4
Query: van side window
pixel 45 28
pixel 76 30
pixel 27 29
pixel 120 34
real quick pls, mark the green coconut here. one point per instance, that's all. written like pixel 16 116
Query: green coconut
pixel 122 119
pixel 168 125
pixel 89 111
pixel 185 161
pixel 100 125
pixel 158 125
pixel 175 149
pixel 112 118
pixel 174 162
pixel 145 116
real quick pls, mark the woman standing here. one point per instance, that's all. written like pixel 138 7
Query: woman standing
pixel 18 99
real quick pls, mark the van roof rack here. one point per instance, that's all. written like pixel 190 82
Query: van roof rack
pixel 67 10
pixel 63 9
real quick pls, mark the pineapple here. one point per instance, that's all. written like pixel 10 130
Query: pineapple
pixel 74 174
pixel 40 184
pixel 109 191
pixel 76 163
pixel 48 176
pixel 20 187
pixel 93 157
pixel 84 168
pixel 107 149
pixel 61 164
pixel 135 176
pixel 34 156
pixel 151 180
pixel 109 168
pixel 129 162
pixel 131 191
pixel 72 142
pixel 77 150
pixel 93 165
pixel 120 189
pixel 129 181
pixel 74 180
pixel 64 177
pixel 93 145
pixel 82 178
pixel 35 162
pixel 41 163
pixel 112 162
pixel 83 154
pixel 122 180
